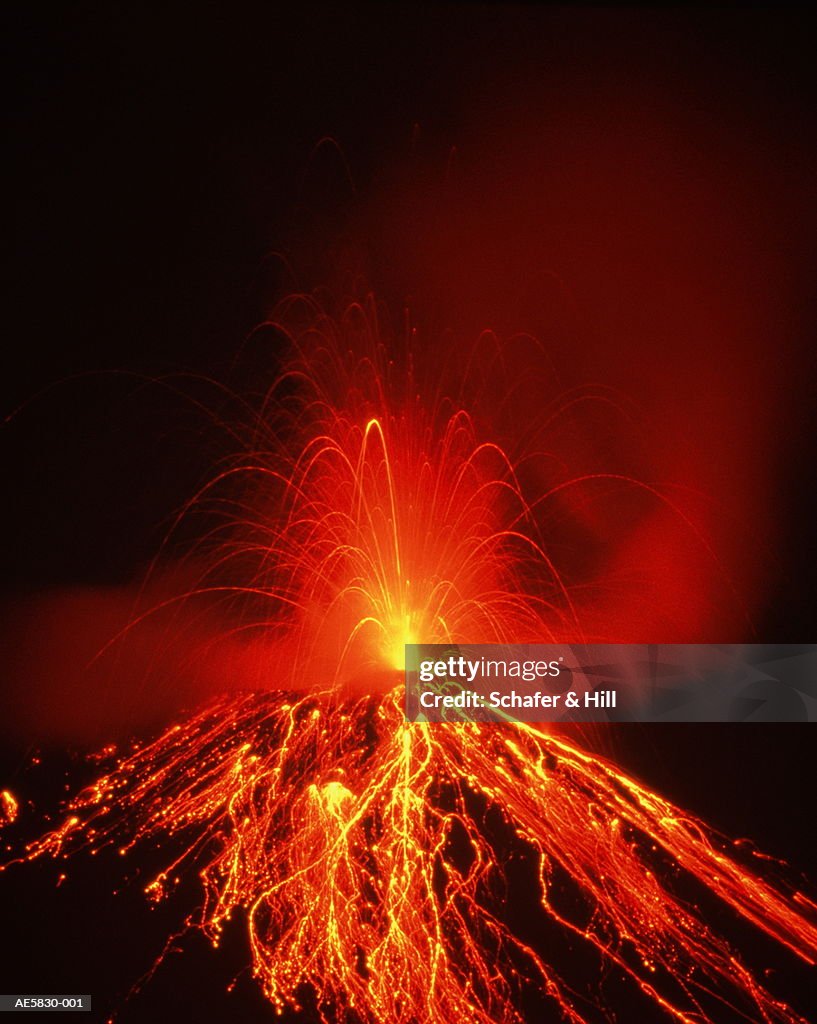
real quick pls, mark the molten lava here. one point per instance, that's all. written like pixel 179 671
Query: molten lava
pixel 370 858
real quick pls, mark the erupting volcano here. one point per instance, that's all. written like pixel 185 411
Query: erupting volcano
pixel 372 860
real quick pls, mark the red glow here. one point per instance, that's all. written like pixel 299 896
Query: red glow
pixel 370 507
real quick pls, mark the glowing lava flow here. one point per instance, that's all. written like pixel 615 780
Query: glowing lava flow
pixel 8 808
pixel 369 857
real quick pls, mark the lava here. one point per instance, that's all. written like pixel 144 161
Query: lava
pixel 370 858
pixel 8 808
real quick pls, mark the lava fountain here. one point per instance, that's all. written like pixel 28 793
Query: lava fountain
pixel 369 858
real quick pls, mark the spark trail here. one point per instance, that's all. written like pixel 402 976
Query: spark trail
pixel 368 857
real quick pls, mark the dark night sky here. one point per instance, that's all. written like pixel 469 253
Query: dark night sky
pixel 157 156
